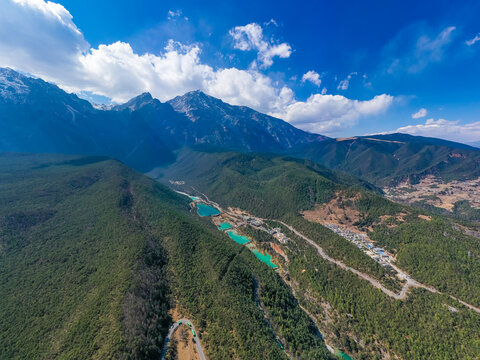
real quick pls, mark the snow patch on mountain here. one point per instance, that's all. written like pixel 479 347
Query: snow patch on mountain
pixel 12 85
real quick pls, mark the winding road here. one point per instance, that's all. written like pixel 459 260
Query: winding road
pixel 399 296
pixel 172 330
pixel 410 283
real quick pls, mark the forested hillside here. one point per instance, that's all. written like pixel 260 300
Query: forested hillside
pixel 94 255
pixel 274 187
pixel 433 249
pixel 269 184
pixel 389 159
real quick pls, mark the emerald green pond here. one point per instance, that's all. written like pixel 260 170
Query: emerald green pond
pixel 239 239
pixel 194 198
pixel 342 355
pixel 224 226
pixel 267 259
pixel 207 210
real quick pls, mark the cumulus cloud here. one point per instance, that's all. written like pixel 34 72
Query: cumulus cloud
pixel 250 37
pixel 39 36
pixel 473 41
pixel 313 77
pixel 420 114
pixel 251 88
pixel 47 43
pixel 329 113
pixel 115 70
pixel 271 22
pixel 445 129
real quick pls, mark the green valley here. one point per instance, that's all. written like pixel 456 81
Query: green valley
pixel 349 311
pixel 94 255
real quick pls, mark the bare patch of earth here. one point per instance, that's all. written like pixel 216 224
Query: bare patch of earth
pixel 277 248
pixel 337 211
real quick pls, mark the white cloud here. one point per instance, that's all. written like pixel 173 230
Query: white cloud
pixel 473 41
pixel 250 37
pixel 40 38
pixel 251 88
pixel 116 71
pixel 344 84
pixel 50 10
pixel 174 14
pixel 420 113
pixel 445 129
pixel 313 77
pixel 271 22
pixel 329 113
pixel 46 43
pixel 424 51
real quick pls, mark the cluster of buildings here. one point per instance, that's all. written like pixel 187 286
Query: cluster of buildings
pixel 259 224
pixel 250 220
pixel 176 182
pixel 364 244
pixel 279 235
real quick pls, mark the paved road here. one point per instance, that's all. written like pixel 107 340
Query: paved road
pixel 172 330
pixel 340 264
pixel 401 295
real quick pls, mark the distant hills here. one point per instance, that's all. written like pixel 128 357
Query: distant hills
pixel 269 184
pixel 96 258
pixel 144 133
pixel 393 158
pixel 276 187
pixel 36 116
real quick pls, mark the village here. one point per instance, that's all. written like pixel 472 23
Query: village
pixel 378 254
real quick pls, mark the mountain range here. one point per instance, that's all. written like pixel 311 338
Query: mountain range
pixel 36 116
pixel 145 133
pixel 390 159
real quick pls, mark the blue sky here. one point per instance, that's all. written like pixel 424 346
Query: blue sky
pixel 336 67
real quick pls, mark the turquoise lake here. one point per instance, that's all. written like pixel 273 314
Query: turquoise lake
pixel 267 259
pixel 239 239
pixel 224 226
pixel 207 210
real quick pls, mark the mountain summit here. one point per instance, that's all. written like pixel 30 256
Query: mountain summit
pixel 135 103
pixel 238 127
pixel 36 116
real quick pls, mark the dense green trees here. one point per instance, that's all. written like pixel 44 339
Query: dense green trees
pixel 437 253
pixel 214 280
pixel 369 322
pixel 366 322
pixel 93 255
